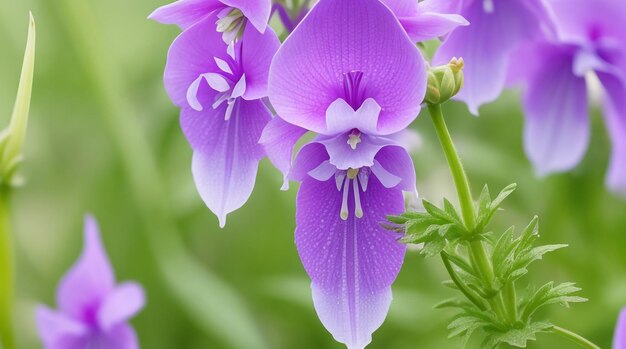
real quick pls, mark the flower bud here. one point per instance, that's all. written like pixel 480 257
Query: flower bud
pixel 12 138
pixel 444 81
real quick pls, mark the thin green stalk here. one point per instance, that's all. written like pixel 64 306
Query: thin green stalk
pixel 459 283
pixel 477 248
pixel 7 272
pixel 510 300
pixel 581 341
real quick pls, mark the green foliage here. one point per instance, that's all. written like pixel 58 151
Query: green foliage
pixel 490 305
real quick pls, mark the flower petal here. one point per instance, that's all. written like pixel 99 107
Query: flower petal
pixel 120 305
pixel 309 158
pixel 279 139
pixel 339 37
pixel 191 55
pixel 343 156
pixel 256 11
pixel 619 340
pixel 486 45
pixel 615 115
pixel 352 262
pixel 89 280
pixel 185 13
pixel 429 25
pixel 226 153
pixel 398 162
pixel 256 56
pixel 557 122
pixel 340 117
pixel 58 331
pixel 120 337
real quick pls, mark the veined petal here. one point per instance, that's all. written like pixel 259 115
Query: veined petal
pixel 486 45
pixel 615 115
pixel 191 55
pixel 279 139
pixel 351 262
pixel 619 340
pixel 226 153
pixel 90 279
pixel 307 73
pixel 256 56
pixel 557 123
pixel 58 331
pixel 256 11
pixel 185 13
pixel 120 305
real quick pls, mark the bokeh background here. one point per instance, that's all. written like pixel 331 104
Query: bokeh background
pixel 104 138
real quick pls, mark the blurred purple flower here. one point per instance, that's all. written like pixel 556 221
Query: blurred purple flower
pixel 497 27
pixel 425 20
pixel 591 40
pixel 93 311
pixel 619 340
pixel 232 15
pixel 220 94
pixel 349 73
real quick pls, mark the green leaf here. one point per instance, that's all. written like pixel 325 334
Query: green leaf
pixel 550 294
pixel 517 337
pixel 433 248
pixel 495 204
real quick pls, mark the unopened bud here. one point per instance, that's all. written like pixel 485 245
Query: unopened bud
pixel 12 138
pixel 444 81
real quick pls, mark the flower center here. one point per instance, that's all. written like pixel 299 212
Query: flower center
pixel 357 179
pixel 224 83
pixel 231 23
pixel 354 138
pixel 352 88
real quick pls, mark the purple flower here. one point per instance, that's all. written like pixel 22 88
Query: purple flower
pixel 220 92
pixel 497 27
pixel 349 73
pixel 232 15
pixel 619 341
pixel 591 40
pixel 425 20
pixel 93 310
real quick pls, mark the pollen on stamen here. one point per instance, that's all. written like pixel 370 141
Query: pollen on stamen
pixel 354 138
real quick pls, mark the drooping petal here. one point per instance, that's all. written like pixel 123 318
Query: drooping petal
pixel 352 262
pixel 619 340
pixel 279 139
pixel 486 44
pixel 339 37
pixel 89 280
pixel 185 13
pixel 615 116
pixel 191 55
pixel 256 11
pixel 398 162
pixel 120 305
pixel 58 331
pixel 226 153
pixel 557 123
pixel 256 55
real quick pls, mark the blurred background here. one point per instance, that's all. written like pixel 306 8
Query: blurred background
pixel 104 138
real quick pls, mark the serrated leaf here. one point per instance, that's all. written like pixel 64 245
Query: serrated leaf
pixel 433 248
pixel 517 337
pixel 449 208
pixel 503 249
pixel 550 294
pixel 502 196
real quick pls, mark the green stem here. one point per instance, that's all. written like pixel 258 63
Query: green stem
pixel 459 283
pixel 477 248
pixel 7 272
pixel 458 173
pixel 510 300
pixel 581 341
